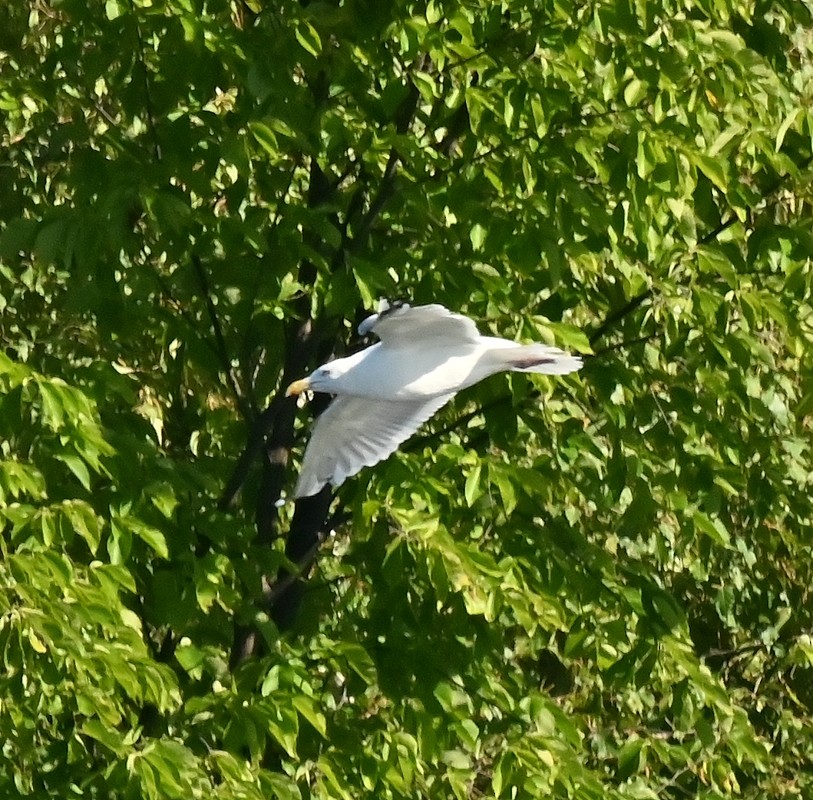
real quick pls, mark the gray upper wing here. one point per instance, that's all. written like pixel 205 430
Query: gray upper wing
pixel 409 324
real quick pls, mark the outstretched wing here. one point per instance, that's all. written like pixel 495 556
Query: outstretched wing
pixel 355 432
pixel 405 324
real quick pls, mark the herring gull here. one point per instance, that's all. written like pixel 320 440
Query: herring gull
pixel 384 393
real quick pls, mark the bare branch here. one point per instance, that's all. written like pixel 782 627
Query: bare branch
pixel 404 118
pixel 624 344
pixel 243 404
pixel 145 80
pixel 619 314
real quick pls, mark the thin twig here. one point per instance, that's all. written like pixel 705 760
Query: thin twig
pixel 179 308
pixel 482 48
pixel 385 187
pixel 275 219
pixel 619 314
pixel 625 343
pixel 383 193
pixel 273 592
pixel 735 652
pixel 223 354
pixel 145 80
pixel 260 428
pixel 710 236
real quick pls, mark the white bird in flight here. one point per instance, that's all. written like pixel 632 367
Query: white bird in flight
pixel 385 392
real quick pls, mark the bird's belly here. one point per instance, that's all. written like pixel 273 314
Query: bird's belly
pixel 402 375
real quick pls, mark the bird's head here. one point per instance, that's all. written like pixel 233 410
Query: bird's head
pixel 320 380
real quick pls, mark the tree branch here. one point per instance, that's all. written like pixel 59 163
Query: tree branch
pixel 619 314
pixel 308 531
pixel 273 436
pixel 626 343
pixel 273 432
pixel 245 406
pixel 710 236
pixel 403 120
pixel 383 194
pixel 254 445
pixel 145 80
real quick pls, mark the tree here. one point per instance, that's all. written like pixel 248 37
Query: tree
pixel 588 587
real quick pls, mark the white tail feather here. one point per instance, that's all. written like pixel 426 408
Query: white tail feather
pixel 539 358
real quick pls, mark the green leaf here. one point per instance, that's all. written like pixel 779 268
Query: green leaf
pixel 20 480
pixel 307 707
pixel 191 659
pixel 505 486
pixel 84 522
pixel 337 784
pixel 77 467
pixel 712 168
pixel 712 260
pixel 477 235
pixel 148 534
pixel 358 659
pixel 635 91
pixel 472 488
pixel 265 137
pixel 114 9
pixel 162 496
pixel 712 528
pixel 308 37
pixel 790 121
pixel 569 336
pixel 425 84
pixel 53 410
pixel 729 43
pixel 107 736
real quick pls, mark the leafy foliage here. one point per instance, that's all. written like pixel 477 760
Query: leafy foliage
pixel 590 587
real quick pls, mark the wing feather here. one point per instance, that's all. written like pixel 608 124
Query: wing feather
pixel 407 325
pixel 356 432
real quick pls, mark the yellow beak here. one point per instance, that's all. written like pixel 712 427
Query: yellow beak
pixel 297 387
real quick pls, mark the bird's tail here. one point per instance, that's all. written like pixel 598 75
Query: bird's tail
pixel 539 358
